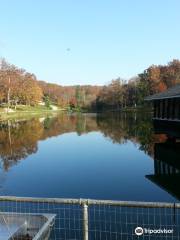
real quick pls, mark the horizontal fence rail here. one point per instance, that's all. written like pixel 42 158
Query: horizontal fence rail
pixel 88 219
pixel 90 202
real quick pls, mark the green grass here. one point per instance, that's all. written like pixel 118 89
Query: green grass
pixel 23 111
pixel 31 108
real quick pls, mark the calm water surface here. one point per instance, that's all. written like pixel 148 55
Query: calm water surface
pixel 118 157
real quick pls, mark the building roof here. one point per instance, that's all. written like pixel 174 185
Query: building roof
pixel 173 92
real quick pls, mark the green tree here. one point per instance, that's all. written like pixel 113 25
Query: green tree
pixel 47 102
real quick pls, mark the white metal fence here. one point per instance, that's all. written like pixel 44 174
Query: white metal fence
pixel 85 219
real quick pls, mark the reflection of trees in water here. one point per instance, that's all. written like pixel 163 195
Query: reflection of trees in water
pixel 68 123
pixel 18 139
pixel 136 127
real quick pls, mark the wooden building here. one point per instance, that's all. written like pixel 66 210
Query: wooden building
pixel 166 104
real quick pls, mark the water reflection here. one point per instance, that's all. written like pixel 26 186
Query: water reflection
pixel 167 159
pixel 20 139
pixel 167 167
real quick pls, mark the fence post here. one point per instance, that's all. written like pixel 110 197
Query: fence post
pixel 85 221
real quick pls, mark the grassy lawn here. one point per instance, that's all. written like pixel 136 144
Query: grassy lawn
pixel 25 111
pixel 37 108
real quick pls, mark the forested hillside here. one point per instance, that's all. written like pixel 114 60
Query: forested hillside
pixel 18 87
pixel 119 93
pixel 71 96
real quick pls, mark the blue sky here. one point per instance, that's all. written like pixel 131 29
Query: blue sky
pixel 106 38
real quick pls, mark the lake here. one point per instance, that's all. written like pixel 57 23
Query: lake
pixel 100 156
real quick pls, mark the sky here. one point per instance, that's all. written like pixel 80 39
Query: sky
pixel 89 42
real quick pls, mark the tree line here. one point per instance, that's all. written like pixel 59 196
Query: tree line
pixel 72 97
pixel 156 78
pixel 17 86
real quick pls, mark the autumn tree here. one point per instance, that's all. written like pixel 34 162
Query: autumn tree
pixel 30 91
pixel 9 79
pixel 113 95
pixel 18 86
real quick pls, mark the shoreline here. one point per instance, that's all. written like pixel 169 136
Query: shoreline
pixel 19 114
pixel 30 113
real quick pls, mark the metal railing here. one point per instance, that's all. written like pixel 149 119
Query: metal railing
pixel 87 219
